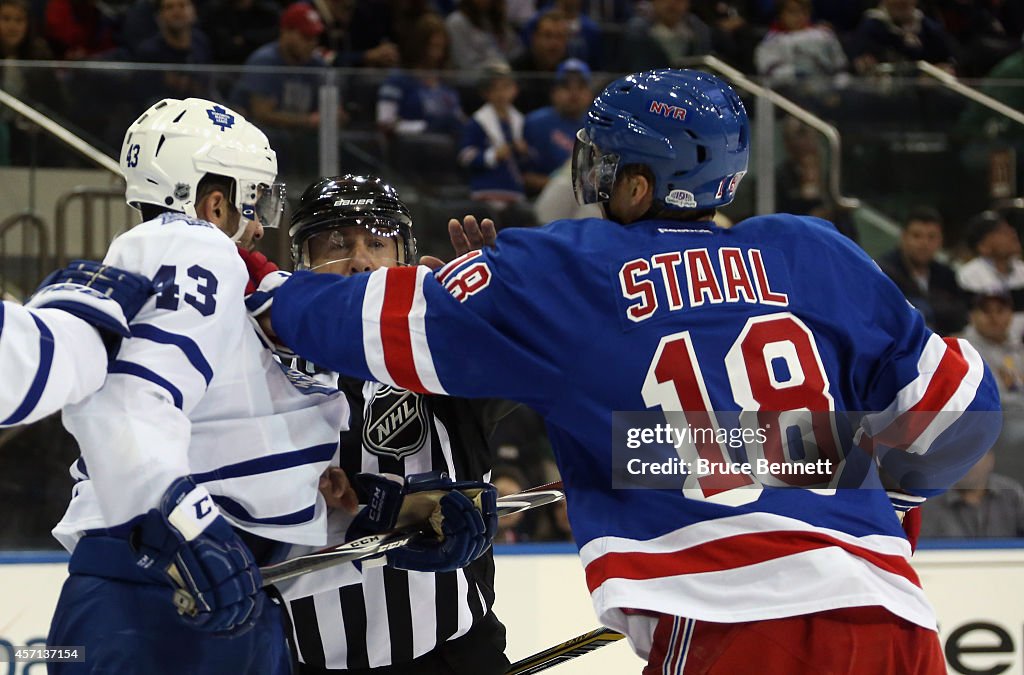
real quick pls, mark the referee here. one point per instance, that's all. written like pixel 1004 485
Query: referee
pixel 380 620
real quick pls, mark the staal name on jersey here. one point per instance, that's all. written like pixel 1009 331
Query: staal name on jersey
pixel 696 277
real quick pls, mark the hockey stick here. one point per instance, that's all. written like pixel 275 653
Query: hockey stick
pixel 578 646
pixel 376 544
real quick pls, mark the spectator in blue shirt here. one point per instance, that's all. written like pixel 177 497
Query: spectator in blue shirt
pixel 492 146
pixel 288 101
pixel 418 100
pixel 287 106
pixel 550 132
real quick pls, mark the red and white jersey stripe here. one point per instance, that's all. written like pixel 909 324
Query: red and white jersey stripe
pixel 750 567
pixel 394 332
pixel 950 372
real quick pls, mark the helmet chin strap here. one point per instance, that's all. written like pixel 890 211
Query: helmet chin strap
pixel 243 223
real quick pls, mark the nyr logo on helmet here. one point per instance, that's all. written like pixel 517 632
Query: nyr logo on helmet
pixel 682 199
pixel 395 423
pixel 668 110
pixel 220 117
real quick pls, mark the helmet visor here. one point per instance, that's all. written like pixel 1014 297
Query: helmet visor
pixel 265 202
pixel 593 174
pixel 360 244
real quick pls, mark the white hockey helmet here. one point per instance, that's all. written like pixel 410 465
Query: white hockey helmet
pixel 174 144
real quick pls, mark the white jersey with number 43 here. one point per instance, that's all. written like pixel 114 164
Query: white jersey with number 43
pixel 195 391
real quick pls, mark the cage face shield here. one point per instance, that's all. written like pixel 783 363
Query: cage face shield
pixel 367 241
pixel 593 174
pixel 263 202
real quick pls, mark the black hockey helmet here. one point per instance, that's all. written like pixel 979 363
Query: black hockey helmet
pixel 348 201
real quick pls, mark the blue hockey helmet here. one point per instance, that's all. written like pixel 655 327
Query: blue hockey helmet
pixel 690 128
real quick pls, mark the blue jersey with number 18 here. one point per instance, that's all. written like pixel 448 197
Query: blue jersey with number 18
pixel 195 392
pixel 580 319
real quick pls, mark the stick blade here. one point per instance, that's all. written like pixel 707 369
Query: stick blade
pixel 578 646
pixel 527 500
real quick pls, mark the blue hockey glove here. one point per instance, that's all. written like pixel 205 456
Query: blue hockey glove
pixel 106 297
pixel 189 546
pixel 463 514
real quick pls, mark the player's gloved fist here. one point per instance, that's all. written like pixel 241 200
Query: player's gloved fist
pixel 260 300
pixel 258 267
pixel 189 546
pixel 463 515
pixel 104 296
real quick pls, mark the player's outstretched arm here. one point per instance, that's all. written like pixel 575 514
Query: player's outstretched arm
pixel 53 351
pixel 453 334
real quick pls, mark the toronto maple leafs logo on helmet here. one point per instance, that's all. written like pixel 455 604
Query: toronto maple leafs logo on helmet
pixel 220 117
pixel 396 422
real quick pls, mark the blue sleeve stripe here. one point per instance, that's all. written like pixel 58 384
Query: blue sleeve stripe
pixel 284 460
pixel 129 368
pixel 3 307
pixel 257 299
pixel 185 344
pixel 239 512
pixel 35 391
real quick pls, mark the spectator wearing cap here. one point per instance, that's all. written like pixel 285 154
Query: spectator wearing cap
pixel 928 284
pixel 492 147
pixel 550 132
pixel 549 46
pixel 982 504
pixel 997 266
pixel 286 106
pixel 286 101
pixel 665 39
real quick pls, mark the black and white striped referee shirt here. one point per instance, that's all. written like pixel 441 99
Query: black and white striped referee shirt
pixel 385 616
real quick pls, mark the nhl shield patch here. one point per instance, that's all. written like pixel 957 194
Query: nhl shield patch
pixel 395 423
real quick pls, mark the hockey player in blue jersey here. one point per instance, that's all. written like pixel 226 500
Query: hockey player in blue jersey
pixel 53 350
pixel 654 308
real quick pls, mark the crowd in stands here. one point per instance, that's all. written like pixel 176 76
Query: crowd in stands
pixel 479 101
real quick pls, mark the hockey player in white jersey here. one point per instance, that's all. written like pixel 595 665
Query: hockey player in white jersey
pixel 53 350
pixel 200 453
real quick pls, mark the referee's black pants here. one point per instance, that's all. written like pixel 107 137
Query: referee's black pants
pixel 481 651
